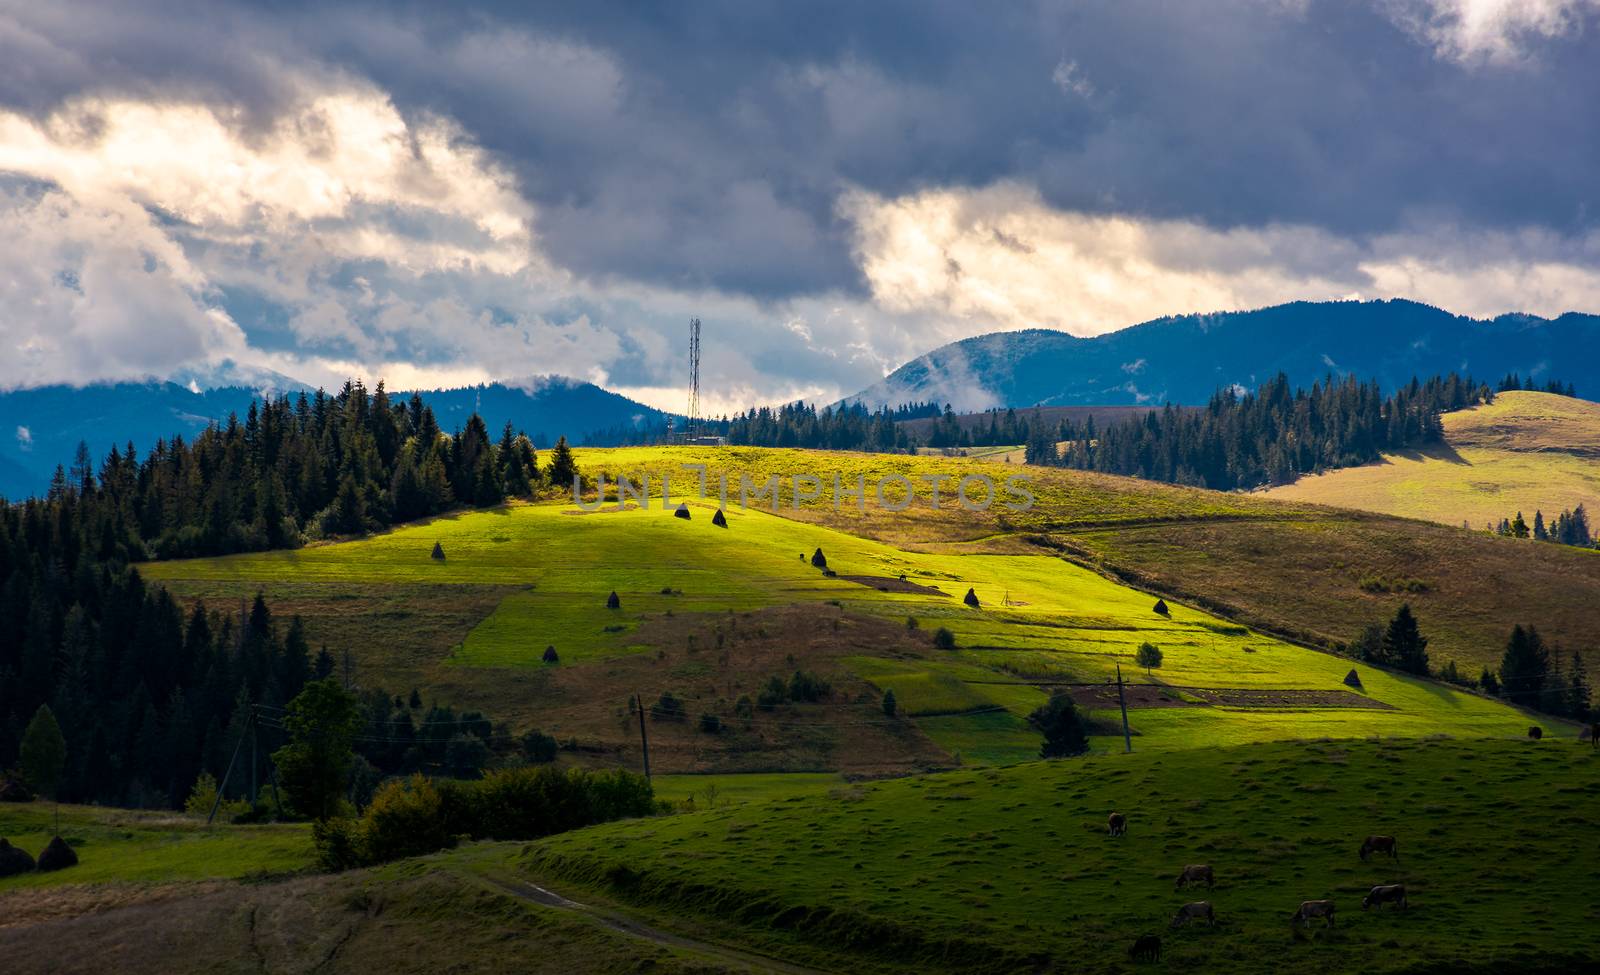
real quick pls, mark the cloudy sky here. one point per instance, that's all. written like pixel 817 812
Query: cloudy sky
pixel 503 191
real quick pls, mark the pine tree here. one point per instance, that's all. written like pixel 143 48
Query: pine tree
pixel 1404 646
pixel 563 468
pixel 1524 666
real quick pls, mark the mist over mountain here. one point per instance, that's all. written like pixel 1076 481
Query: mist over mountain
pixel 1184 359
pixel 41 427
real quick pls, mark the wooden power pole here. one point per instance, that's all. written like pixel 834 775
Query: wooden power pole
pixel 644 737
pixel 1127 736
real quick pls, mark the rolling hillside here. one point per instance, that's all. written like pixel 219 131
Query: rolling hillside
pixel 1524 452
pixel 997 870
pixel 1185 359
pixel 711 614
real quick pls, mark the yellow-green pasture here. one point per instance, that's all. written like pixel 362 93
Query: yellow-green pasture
pixel 1041 621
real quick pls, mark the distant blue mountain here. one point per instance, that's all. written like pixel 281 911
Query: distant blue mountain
pixel 40 428
pixel 1185 359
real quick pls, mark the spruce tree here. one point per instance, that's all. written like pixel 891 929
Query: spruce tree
pixel 1404 646
pixel 563 468
pixel 1524 666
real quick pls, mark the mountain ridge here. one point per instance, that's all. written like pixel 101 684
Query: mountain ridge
pixel 1186 358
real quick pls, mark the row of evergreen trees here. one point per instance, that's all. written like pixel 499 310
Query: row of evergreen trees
pixel 1272 436
pixel 1531 674
pixel 148 696
pixel 1512 381
pixel 310 467
pixel 1569 528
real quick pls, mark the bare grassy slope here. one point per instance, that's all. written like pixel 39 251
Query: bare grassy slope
pixel 1524 452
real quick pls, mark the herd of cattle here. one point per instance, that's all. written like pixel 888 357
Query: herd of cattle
pixel 1148 947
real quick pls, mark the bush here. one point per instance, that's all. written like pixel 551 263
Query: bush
pixel 1063 731
pixel 889 705
pixel 539 747
pixel 710 724
pixel 204 795
pixel 912 624
pixel 944 639
pixel 416 816
pixel 808 687
pixel 742 708
pixel 667 708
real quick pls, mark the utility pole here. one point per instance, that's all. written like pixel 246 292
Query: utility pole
pixel 222 789
pixel 644 737
pixel 253 755
pixel 1127 736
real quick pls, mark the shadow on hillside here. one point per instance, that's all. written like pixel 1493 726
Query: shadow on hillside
pixel 1440 451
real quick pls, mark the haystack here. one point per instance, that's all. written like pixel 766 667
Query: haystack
pixel 1161 607
pixel 57 856
pixel 719 519
pixel 971 599
pixel 13 861
pixel 1353 679
pixel 819 560
pixel 612 602
pixel 682 511
pixel 438 551
pixel 1535 732
pixel 550 655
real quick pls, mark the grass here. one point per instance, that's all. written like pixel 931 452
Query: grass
pixel 127 846
pixel 1001 869
pixel 1524 452
pixel 697 618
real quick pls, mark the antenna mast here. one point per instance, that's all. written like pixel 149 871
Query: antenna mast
pixel 692 419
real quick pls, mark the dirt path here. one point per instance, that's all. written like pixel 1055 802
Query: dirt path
pixel 533 893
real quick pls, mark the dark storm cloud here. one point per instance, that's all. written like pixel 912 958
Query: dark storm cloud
pixel 705 144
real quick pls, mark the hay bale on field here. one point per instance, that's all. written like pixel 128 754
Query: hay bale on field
pixel 1353 679
pixel 971 599
pixel 1535 732
pixel 13 860
pixel 438 551
pixel 1161 607
pixel 612 601
pixel 682 511
pixel 818 559
pixel 57 856
pixel 719 519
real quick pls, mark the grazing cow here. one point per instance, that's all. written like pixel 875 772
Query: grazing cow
pixel 1380 844
pixel 1311 909
pixel 1194 873
pixel 1197 911
pixel 1117 824
pixel 1385 894
pixel 1147 948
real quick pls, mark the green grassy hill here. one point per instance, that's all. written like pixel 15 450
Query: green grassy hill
pixel 990 870
pixel 1012 870
pixel 1524 452
pixel 710 614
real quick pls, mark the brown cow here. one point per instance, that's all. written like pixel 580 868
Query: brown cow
pixel 1385 894
pixel 1117 824
pixel 1196 911
pixel 1311 909
pixel 1147 948
pixel 1380 844
pixel 1194 873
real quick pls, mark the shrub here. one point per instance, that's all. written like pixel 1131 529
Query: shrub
pixel 416 816
pixel 539 747
pixel 944 639
pixel 667 708
pixel 743 708
pixel 889 706
pixel 912 624
pixel 710 724
pixel 808 687
pixel 1063 731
